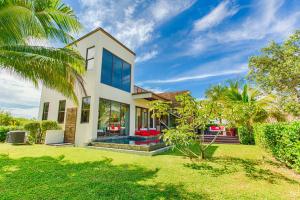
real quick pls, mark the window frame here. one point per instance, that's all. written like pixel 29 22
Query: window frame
pixel 89 110
pixel 88 59
pixel 43 113
pixel 122 87
pixel 60 111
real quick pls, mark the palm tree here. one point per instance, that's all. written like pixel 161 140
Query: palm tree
pixel 55 68
pixel 244 105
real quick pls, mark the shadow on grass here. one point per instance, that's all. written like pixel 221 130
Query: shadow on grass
pixel 226 165
pixel 208 153
pixel 55 178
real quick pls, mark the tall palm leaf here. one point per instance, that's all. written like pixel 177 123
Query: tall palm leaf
pixel 21 20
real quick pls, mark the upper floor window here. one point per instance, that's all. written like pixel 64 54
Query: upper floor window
pixel 115 71
pixel 61 111
pixel 85 109
pixel 90 57
pixel 45 111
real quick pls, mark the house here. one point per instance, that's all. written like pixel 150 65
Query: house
pixel 113 105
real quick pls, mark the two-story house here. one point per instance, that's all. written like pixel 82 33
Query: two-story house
pixel 113 105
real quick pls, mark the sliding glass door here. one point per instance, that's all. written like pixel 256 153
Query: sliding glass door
pixel 113 118
pixel 141 118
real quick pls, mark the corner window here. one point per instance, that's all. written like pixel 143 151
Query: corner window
pixel 90 58
pixel 115 71
pixel 61 111
pixel 85 109
pixel 45 111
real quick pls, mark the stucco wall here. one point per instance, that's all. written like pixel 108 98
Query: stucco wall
pixel 86 132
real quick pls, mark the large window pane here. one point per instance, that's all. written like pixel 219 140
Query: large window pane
pixel 117 73
pixel 106 73
pixel 126 79
pixel 104 115
pixel 124 119
pixel 113 118
pixel 141 118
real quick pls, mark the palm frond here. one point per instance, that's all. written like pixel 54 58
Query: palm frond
pixel 58 69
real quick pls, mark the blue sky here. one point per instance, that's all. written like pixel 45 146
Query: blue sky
pixel 180 44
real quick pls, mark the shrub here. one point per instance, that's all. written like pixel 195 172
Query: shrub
pixel 48 125
pixel 245 135
pixel 282 139
pixel 34 129
pixel 5 129
pixel 37 130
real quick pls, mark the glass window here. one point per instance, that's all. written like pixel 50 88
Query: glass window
pixel 61 111
pixel 45 111
pixel 107 63
pixel 141 118
pixel 90 58
pixel 126 77
pixel 85 109
pixel 113 118
pixel 115 71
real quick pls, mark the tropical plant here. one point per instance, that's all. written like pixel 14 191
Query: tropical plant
pixel 242 106
pixel 277 68
pixel 22 21
pixel 191 116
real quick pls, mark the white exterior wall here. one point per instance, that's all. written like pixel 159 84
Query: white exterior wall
pixel 86 132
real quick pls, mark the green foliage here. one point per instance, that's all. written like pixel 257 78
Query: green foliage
pixel 277 68
pixel 282 139
pixel 5 129
pixel 36 20
pixel 37 130
pixel 245 135
pixel 242 105
pixel 34 129
pixel 191 115
pixel 48 125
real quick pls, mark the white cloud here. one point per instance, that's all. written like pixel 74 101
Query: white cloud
pixel 132 22
pixel 216 16
pixel 19 97
pixel 165 9
pixel 199 76
pixel 147 56
pixel 265 21
pixel 156 90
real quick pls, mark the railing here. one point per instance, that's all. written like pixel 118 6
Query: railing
pixel 138 90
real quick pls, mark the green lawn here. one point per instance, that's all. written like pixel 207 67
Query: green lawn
pixel 234 172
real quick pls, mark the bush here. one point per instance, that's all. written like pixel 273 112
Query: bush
pixel 48 125
pixel 282 139
pixel 37 130
pixel 246 135
pixel 5 129
pixel 34 129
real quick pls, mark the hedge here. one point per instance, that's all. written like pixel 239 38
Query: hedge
pixel 5 129
pixel 282 139
pixel 245 135
pixel 37 130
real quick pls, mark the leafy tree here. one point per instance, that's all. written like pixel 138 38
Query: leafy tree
pixel 6 119
pixel 191 116
pixel 277 68
pixel 25 20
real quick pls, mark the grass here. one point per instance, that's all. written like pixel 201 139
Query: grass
pixel 231 172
